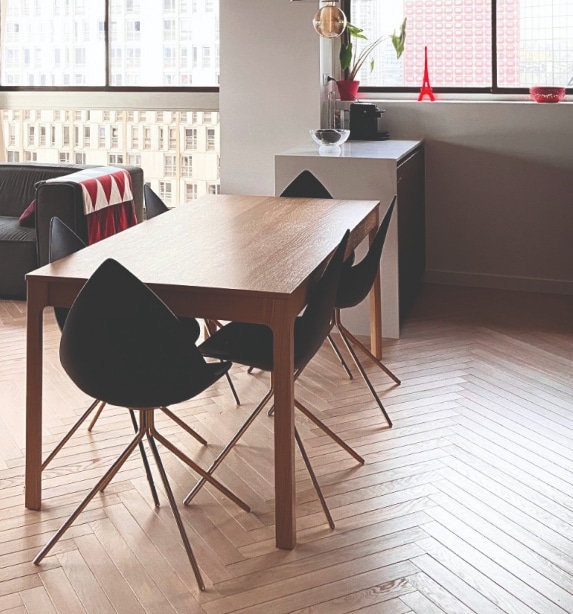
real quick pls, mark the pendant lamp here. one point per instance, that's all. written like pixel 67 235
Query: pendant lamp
pixel 330 21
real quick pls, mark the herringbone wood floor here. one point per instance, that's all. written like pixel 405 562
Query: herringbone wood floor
pixel 465 506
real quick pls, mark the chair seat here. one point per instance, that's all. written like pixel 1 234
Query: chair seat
pixel 252 345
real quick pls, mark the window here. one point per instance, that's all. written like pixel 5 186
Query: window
pixel 134 159
pixel 211 139
pixel 31 135
pixel 213 188
pixel 186 166
pixel 64 157
pixel 74 39
pixel 477 45
pixel 169 166
pixel 115 159
pixel 87 136
pixel 66 135
pixel 101 136
pixel 79 158
pixel 114 137
pixel 190 191
pixel 43 136
pixel 191 138
pixel 134 137
pixel 165 191
pixel 13 156
pixel 29 156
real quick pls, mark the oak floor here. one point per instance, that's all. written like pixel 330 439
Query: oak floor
pixel 465 506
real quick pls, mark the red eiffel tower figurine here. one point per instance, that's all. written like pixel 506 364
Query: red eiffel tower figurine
pixel 426 87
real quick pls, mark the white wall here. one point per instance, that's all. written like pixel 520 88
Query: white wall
pixel 270 87
pixel 499 175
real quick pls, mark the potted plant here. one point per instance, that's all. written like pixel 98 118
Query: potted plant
pixel 351 61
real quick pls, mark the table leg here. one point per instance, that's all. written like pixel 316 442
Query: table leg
pixel 376 306
pixel 34 328
pixel 283 382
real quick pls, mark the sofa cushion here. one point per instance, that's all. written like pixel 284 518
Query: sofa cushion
pixel 10 230
pixel 28 218
pixel 17 257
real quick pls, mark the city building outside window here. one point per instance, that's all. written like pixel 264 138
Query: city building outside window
pixel 29 156
pixel 64 157
pixel 80 158
pixel 480 45
pixel 115 159
pixel 13 156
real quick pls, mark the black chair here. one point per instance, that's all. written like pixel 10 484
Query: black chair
pixel 355 284
pixel 306 185
pixel 252 345
pixel 153 204
pixel 63 242
pixel 141 357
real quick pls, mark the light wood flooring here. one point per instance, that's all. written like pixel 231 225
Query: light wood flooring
pixel 465 506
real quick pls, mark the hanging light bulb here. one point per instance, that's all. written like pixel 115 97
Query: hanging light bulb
pixel 330 21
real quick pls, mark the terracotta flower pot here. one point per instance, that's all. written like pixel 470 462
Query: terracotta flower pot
pixel 348 89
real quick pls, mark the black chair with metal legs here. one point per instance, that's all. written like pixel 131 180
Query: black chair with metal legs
pixel 252 345
pixel 355 284
pixel 63 241
pixel 306 185
pixel 141 357
pixel 154 205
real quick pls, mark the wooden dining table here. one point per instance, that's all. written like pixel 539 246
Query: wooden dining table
pixel 223 257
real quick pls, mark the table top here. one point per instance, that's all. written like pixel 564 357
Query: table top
pixel 234 243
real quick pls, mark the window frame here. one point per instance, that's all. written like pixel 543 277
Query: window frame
pixel 495 89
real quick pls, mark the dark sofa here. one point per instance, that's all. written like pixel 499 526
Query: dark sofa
pixel 25 249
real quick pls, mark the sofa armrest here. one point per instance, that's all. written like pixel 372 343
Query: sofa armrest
pixel 64 199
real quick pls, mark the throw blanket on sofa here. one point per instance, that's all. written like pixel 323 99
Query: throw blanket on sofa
pixel 108 200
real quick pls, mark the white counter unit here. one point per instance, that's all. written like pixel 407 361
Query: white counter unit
pixel 375 170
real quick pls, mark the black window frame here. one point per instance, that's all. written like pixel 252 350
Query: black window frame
pixel 346 6
pixel 107 87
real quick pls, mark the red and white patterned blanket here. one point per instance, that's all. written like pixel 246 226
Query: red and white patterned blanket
pixel 108 200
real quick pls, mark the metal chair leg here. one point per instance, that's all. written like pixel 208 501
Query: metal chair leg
pixel 183 425
pixel 328 431
pixel 145 461
pixel 347 335
pixel 366 379
pixel 176 513
pixel 108 476
pixel 65 440
pixel 314 480
pixel 198 469
pixel 221 456
pixel 95 418
pixel 339 356
pixel 211 326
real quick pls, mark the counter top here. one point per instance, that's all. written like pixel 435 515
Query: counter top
pixel 384 150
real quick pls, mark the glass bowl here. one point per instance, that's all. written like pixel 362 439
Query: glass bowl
pixel 329 136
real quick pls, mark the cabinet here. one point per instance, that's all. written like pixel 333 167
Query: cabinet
pixel 375 170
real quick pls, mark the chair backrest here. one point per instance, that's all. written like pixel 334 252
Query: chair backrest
pixel 153 204
pixel 62 242
pixel 315 323
pixel 356 281
pixel 306 185
pixel 121 344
